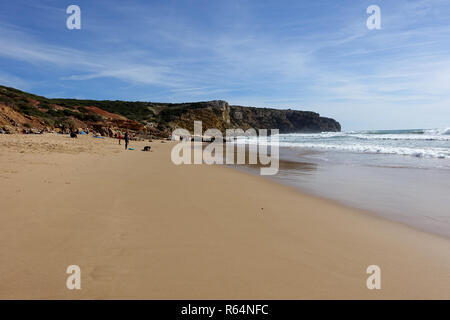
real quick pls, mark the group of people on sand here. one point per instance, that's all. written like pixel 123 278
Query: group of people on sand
pixel 126 138
pixel 119 136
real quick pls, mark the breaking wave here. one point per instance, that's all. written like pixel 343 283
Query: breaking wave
pixel 420 143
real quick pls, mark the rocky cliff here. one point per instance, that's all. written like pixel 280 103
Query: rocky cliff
pixel 21 111
pixel 287 121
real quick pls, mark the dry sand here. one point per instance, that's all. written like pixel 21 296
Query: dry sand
pixel 141 227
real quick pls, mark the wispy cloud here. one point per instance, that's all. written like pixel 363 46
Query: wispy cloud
pixel 10 80
pixel 296 55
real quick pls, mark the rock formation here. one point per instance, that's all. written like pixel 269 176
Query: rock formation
pixel 21 111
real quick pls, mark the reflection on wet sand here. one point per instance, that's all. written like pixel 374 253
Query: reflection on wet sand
pixel 409 194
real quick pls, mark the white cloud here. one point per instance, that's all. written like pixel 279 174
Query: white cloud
pixel 335 71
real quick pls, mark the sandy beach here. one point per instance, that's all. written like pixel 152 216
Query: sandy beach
pixel 140 227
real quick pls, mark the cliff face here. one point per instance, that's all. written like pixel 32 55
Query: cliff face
pixel 23 111
pixel 287 121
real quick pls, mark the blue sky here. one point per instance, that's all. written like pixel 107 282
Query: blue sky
pixel 306 55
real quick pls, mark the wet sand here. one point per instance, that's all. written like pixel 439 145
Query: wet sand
pixel 410 191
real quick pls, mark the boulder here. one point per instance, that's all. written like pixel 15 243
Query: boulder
pixel 10 129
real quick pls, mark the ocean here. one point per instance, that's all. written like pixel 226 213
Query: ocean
pixel 419 143
pixel 401 175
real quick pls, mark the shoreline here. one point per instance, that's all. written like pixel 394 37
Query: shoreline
pixel 365 211
pixel 141 227
pixel 369 188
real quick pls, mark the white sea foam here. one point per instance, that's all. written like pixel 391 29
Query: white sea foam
pixel 422 143
pixel 425 135
pixel 440 153
pixel 438 131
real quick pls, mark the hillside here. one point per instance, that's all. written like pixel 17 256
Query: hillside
pixel 24 111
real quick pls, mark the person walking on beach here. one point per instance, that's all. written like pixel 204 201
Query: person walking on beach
pixel 127 139
pixel 119 136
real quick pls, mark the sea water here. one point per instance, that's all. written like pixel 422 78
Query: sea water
pixel 402 175
pixel 419 143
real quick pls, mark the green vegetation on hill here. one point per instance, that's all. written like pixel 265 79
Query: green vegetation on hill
pixel 159 118
pixel 132 110
pixel 41 107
